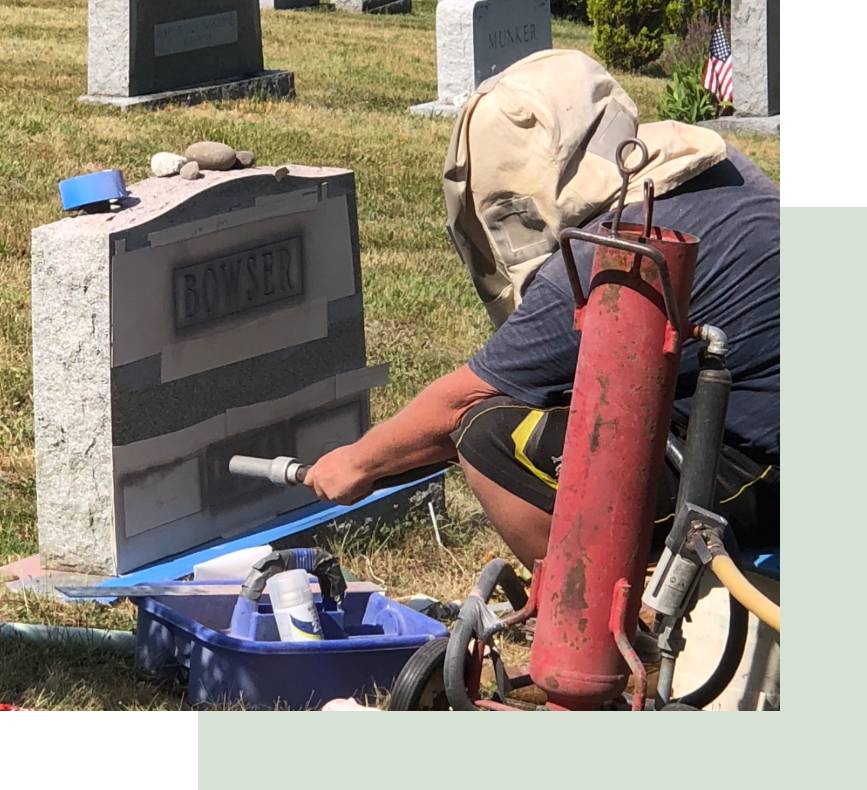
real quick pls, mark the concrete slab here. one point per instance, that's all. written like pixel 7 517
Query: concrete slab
pixel 374 6
pixel 433 109
pixel 737 124
pixel 286 5
pixel 29 575
pixel 267 84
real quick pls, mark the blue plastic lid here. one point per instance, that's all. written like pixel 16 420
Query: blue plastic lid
pixel 92 189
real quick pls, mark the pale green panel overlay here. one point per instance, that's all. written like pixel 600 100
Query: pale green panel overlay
pixel 816 741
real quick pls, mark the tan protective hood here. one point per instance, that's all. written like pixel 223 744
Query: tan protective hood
pixel 533 152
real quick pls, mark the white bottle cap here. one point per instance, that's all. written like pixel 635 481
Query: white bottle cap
pixel 289 589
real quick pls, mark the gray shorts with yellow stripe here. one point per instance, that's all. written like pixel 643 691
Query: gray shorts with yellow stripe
pixel 520 448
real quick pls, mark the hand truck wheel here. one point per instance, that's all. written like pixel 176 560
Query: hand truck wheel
pixel 420 684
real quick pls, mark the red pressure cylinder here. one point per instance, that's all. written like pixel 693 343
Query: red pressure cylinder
pixel 614 449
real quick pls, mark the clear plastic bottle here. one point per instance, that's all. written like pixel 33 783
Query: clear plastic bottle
pixel 294 610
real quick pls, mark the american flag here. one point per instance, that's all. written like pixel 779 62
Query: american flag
pixel 718 69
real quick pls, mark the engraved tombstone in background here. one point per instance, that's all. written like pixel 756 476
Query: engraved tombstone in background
pixel 756 57
pixel 477 39
pixel 150 52
pixel 210 318
pixel 755 69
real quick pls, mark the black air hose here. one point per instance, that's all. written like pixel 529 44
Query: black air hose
pixel 495 573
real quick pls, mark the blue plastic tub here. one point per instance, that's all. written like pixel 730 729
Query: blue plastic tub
pixel 365 647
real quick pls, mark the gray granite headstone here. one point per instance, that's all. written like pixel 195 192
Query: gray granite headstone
pixel 756 57
pixel 150 52
pixel 477 39
pixel 204 319
pixel 374 6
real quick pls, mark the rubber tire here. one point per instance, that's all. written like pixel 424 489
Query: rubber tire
pixel 678 706
pixel 426 665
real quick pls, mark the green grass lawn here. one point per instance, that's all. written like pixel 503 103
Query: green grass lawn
pixel 355 77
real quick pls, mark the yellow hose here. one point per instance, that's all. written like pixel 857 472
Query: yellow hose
pixel 744 592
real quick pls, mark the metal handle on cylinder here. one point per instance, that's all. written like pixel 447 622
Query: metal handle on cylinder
pixel 617 243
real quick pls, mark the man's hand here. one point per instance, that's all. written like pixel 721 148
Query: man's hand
pixel 339 477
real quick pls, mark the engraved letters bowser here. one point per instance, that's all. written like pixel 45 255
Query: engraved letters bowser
pixel 212 290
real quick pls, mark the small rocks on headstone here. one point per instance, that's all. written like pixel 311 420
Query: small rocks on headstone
pixel 190 171
pixel 245 159
pixel 166 164
pixel 212 156
pixel 281 173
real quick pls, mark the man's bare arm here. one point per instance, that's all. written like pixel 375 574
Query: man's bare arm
pixel 416 436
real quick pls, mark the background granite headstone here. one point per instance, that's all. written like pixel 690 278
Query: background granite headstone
pixel 756 69
pixel 206 318
pixel 477 39
pixel 155 51
pixel 756 56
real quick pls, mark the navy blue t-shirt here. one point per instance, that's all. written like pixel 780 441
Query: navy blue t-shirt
pixel 735 210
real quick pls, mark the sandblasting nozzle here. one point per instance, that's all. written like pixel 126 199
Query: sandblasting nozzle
pixel 281 471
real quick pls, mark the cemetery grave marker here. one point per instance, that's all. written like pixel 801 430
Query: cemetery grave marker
pixel 204 319
pixel 477 39
pixel 147 53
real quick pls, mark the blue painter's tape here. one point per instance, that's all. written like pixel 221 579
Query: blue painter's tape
pixel 298 521
pixel 91 189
